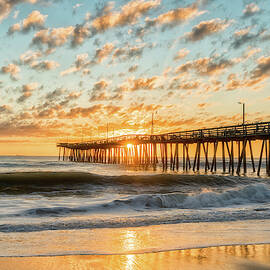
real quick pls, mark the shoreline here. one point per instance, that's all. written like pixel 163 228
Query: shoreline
pixel 234 257
pixel 134 240
pixel 139 252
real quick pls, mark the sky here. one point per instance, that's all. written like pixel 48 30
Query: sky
pixel 69 69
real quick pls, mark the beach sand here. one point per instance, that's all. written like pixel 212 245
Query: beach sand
pixel 218 245
pixel 238 257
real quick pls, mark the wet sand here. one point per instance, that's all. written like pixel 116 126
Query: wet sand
pixel 237 257
pixel 220 245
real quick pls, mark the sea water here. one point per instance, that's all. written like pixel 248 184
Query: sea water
pixel 44 197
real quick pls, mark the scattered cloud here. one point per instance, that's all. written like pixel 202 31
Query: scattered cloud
pixel 27 90
pixel 181 54
pixel 129 14
pixel 81 63
pixel 80 33
pixel 250 10
pixel 98 92
pixel 44 65
pixel 51 96
pixel 133 68
pixel 262 69
pixel 5 109
pixel 29 57
pixel 128 52
pixel 142 83
pixel 206 28
pixel 35 20
pixel 54 37
pixel 103 53
pixel 11 69
pixel 7 5
pixel 77 112
pixel 179 15
pixel 244 36
pixel 75 7
pixel 205 66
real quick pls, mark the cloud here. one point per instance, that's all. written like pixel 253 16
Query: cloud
pixel 128 52
pixel 133 68
pixel 80 112
pixel 29 129
pixel 251 51
pixel 206 28
pixel 179 15
pixel 7 5
pixel 103 53
pixel 75 7
pixel 44 65
pixel 12 69
pixel 5 109
pixel 54 37
pixel 205 66
pixel 16 14
pixel 128 14
pixel 27 90
pixel 181 54
pixel 80 63
pixel 244 36
pixel 51 96
pixel 29 56
pixel 250 10
pixel 80 33
pixel 142 83
pixel 260 73
pixel 35 20
pixel 14 28
pixel 262 69
pixel 99 91
pixel 185 85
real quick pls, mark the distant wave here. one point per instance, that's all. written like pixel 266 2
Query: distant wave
pixel 56 178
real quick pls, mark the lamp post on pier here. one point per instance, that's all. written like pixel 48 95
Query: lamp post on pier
pixel 243 103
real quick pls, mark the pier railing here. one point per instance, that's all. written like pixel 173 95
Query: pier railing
pixel 254 130
pixel 235 141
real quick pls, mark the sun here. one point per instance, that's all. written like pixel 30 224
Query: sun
pixel 129 145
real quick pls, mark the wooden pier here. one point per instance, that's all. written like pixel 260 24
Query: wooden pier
pixel 173 150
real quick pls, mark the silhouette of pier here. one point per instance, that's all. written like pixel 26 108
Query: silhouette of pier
pixel 172 150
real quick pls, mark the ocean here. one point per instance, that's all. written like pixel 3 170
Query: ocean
pixel 50 207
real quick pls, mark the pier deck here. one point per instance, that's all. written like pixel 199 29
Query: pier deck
pixel 236 141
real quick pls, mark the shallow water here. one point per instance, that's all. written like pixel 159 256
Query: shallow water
pixel 40 194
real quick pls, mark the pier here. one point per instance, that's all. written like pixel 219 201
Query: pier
pixel 173 150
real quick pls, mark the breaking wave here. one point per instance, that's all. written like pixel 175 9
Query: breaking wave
pixel 251 194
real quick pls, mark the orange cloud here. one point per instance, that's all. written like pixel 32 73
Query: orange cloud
pixel 128 15
pixel 6 6
pixel 178 15
pixel 81 63
pixel 29 56
pixel 181 54
pixel 12 69
pixel 53 37
pixel 99 91
pixel 206 28
pixel 27 90
pixel 44 65
pixel 142 83
pixel 5 109
pixel 205 66
pixel 103 53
